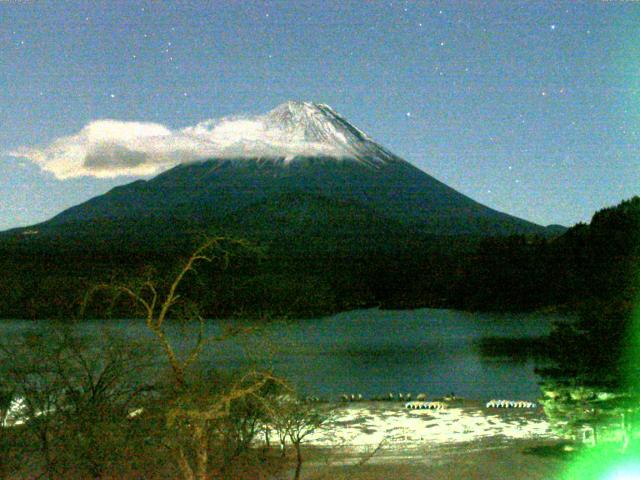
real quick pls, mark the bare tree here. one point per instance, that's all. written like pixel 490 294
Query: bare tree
pixel 74 396
pixel 192 409
pixel 295 419
pixel 37 389
pixel 157 306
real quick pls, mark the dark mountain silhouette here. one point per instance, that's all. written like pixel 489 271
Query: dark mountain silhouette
pixel 343 167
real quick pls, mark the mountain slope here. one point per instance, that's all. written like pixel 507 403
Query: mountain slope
pixel 335 161
pixel 298 222
pixel 213 189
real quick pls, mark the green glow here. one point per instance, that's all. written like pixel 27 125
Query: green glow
pixel 632 357
pixel 626 471
pixel 605 463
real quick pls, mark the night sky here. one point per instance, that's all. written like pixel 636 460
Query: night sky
pixel 532 108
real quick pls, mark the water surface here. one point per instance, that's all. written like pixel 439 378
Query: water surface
pixel 370 352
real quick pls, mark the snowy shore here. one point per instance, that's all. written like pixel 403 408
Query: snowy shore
pixel 366 440
pixel 363 425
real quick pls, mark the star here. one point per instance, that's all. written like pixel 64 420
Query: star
pixel 408 114
pixel 442 44
pixel 553 26
pixel 112 95
pixel 543 93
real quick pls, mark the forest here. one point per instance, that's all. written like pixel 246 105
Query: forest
pixel 304 277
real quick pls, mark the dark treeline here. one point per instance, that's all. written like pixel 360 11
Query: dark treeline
pixel 307 273
pixel 591 392
pixel 599 349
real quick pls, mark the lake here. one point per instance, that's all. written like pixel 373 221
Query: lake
pixel 370 352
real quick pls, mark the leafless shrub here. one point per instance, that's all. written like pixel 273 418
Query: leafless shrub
pixel 74 398
pixel 294 419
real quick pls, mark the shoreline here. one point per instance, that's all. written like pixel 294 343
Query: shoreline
pixel 368 423
pixel 385 440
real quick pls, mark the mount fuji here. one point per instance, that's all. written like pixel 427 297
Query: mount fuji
pixel 301 167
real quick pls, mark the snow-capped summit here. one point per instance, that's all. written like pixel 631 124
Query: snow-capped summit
pixel 292 130
pixel 318 124
pixel 313 122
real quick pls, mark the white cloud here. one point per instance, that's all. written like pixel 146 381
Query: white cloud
pixel 111 148
pixel 105 148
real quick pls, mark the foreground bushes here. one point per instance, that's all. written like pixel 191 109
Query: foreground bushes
pixel 103 408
